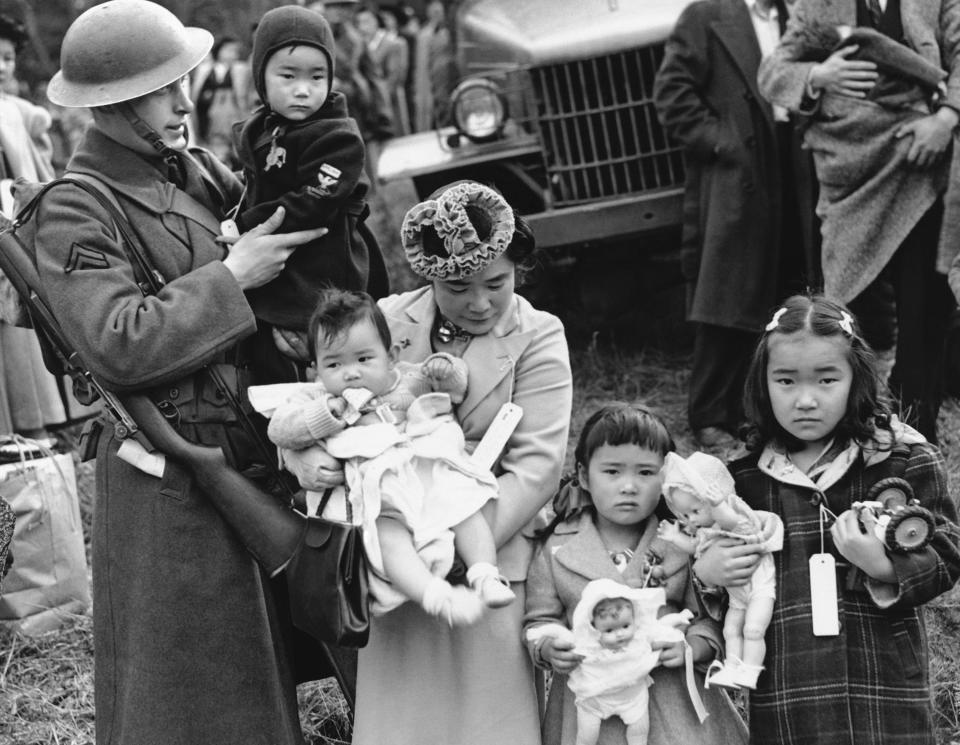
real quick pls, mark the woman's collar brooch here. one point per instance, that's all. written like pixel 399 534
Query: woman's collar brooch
pixel 448 331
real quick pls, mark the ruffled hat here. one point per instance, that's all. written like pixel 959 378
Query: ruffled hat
pixel 701 474
pixel 465 249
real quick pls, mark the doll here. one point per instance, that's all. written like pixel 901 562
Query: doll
pixel 613 627
pixel 699 490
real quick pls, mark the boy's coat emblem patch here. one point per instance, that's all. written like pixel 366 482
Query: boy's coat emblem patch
pixel 82 257
pixel 327 180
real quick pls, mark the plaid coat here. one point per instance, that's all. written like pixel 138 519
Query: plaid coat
pixel 870 683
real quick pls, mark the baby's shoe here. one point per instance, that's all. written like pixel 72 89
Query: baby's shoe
pixel 723 674
pixel 493 589
pixel 746 675
pixel 459 606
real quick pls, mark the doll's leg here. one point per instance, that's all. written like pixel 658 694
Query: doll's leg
pixel 733 632
pixel 474 543
pixel 405 569
pixel 757 619
pixel 588 727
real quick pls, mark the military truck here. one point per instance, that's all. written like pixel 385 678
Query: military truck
pixel 555 109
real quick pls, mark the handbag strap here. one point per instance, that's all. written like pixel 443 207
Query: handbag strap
pixel 327 493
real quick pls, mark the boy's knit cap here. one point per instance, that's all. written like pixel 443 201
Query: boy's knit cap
pixel 286 26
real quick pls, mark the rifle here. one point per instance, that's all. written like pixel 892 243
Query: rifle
pixel 271 532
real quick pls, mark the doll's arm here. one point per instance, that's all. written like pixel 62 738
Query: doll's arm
pixel 669 531
pixel 446 374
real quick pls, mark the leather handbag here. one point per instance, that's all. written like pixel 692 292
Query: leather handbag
pixel 327 579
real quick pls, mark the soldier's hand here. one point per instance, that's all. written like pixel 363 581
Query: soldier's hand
pixel 260 254
pixel 845 77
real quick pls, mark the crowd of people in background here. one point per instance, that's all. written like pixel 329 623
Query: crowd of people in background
pixel 396 65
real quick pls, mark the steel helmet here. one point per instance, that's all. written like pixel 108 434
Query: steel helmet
pixel 124 49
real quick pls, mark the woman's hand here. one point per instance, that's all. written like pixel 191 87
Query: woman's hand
pixel 862 549
pixel 259 255
pixel 559 654
pixel 314 468
pixel 728 563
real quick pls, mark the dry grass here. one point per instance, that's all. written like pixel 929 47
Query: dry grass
pixel 46 682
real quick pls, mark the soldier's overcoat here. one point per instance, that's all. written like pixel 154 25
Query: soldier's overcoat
pixel 186 640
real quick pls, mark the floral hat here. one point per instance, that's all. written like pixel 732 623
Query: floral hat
pixel 467 253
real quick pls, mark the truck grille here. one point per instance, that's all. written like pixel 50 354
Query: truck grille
pixel 599 128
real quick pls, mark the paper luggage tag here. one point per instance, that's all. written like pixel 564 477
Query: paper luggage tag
pixel 823 595
pixel 229 229
pixel 496 436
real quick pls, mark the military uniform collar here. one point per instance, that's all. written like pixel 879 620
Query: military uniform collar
pixel 136 178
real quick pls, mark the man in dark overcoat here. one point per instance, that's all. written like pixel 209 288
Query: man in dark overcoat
pixel 748 224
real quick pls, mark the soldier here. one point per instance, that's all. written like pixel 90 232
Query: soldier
pixel 189 641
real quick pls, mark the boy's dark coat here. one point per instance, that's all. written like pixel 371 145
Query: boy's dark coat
pixel 320 184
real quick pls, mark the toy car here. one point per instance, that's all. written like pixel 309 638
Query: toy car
pixel 899 522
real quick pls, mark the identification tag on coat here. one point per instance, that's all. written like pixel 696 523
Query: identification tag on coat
pixel 824 607
pixel 496 436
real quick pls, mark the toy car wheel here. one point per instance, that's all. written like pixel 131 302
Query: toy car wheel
pixel 893 493
pixel 909 530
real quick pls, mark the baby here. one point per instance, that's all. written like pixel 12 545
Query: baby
pixel 406 469
pixel 613 627
pixel 699 490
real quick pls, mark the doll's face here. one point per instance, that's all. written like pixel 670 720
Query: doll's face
pixel 691 511
pixel 615 623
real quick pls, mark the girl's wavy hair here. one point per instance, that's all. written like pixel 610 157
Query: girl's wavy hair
pixel 868 403
pixel 612 424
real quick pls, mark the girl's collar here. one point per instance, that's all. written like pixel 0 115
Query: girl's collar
pixel 836 459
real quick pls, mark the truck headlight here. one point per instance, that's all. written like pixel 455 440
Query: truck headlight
pixel 479 109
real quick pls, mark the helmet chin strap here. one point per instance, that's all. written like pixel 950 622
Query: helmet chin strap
pixel 147 133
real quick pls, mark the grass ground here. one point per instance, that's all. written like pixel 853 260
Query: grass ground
pixel 46 682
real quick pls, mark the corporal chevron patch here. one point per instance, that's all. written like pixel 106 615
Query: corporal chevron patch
pixel 82 257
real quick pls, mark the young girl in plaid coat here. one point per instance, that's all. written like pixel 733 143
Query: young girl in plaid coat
pixel 846 664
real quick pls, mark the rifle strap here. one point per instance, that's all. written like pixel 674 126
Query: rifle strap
pixel 150 281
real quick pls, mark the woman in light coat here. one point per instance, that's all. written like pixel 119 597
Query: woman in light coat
pixel 421 681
